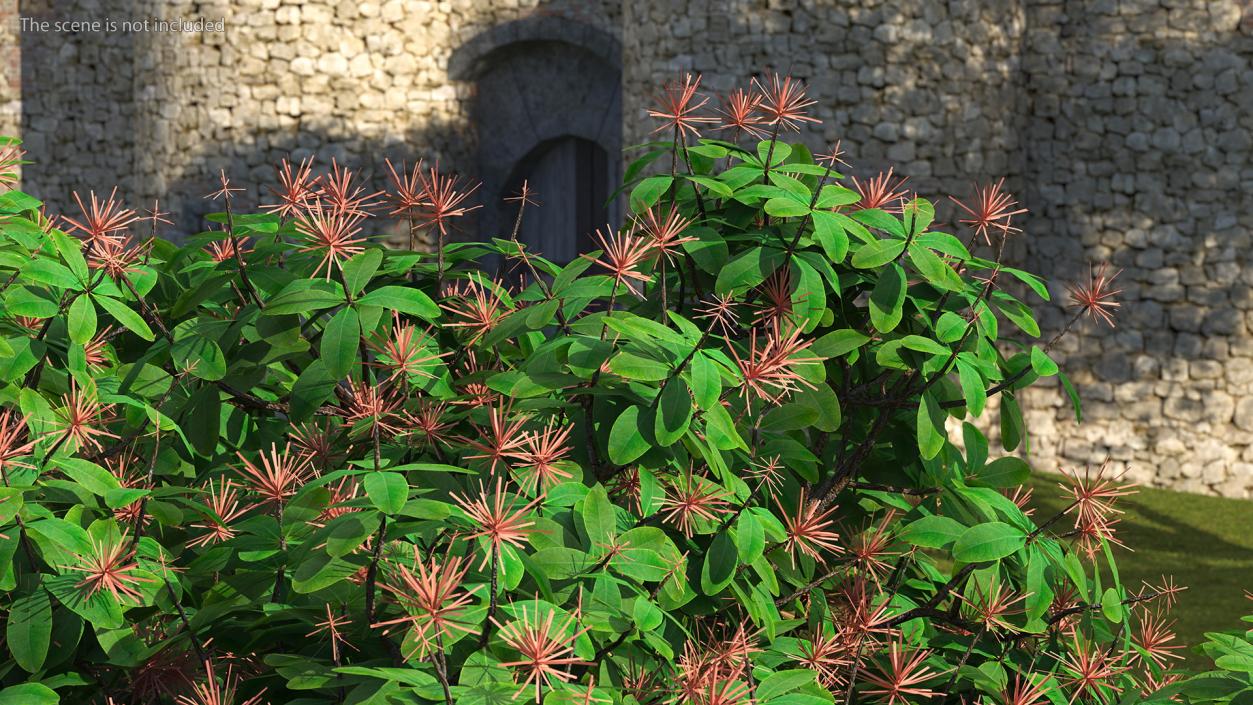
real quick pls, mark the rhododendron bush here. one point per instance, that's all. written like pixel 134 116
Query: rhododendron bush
pixel 713 461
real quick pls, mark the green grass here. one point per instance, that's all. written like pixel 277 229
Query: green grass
pixel 1206 543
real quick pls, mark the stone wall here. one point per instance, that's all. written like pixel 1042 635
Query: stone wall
pixel 1124 125
pixel 159 113
pixel 10 69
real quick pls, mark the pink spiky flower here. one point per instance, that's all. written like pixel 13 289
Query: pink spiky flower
pixel 474 307
pixel 407 195
pixel 443 199
pixel 991 605
pixel 224 503
pixel 374 406
pixel 406 352
pixel 827 656
pixel 809 529
pixel 79 420
pixel 10 159
pixel 1167 592
pixel 539 463
pixel 504 439
pixel 225 190
pixel 110 567
pixel 339 191
pixel 769 370
pixel 1096 298
pixel 546 648
pixel 665 231
pixel 12 428
pixel 739 111
pixel 1094 494
pixel 224 250
pixel 1088 670
pixel 280 476
pixel 96 350
pixel 721 313
pixel 622 254
pixel 904 675
pixel 879 191
pixel 993 208
pixel 117 256
pixel 783 102
pixel 498 518
pixel 871 547
pixel 317 439
pixel 431 595
pixel 211 692
pixel 691 498
pixel 296 188
pixel 1024 690
pixel 429 421
pixel 102 219
pixel 677 106
pixel 333 233
pixel 333 627
pixel 1156 639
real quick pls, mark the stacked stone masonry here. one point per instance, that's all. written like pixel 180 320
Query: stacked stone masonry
pixel 1125 126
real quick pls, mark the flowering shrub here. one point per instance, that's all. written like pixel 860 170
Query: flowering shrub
pixel 708 463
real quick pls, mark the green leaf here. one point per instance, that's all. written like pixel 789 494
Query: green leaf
pixel 52 273
pixel 124 315
pixel 81 320
pixel 932 532
pixel 931 432
pixel 838 343
pixel 1111 606
pixel 988 542
pixel 750 537
pixel 720 562
pixel 201 355
pixel 1010 471
pixel 626 443
pixel 71 250
pixel 314 386
pixel 706 383
pixel 950 327
pixel 339 342
pixel 972 387
pixel 747 270
pixel 402 299
pixel 88 475
pixel 887 301
pixel 599 519
pixel 638 367
pixel 388 491
pixel 934 270
pixel 786 208
pixel 1011 422
pixel 674 412
pixel 830 235
pixel 878 253
pixel 29 629
pixel 29 694
pixel 783 682
pixel 21 301
pixel 1042 363
pixel 361 268
pixel 647 192
pixel 303 296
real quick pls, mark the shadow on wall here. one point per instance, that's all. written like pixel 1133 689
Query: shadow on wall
pixel 545 106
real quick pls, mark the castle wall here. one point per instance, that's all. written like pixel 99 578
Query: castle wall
pixel 161 112
pixel 1123 125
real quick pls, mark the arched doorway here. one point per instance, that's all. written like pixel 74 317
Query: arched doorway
pixel 574 175
pixel 547 109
